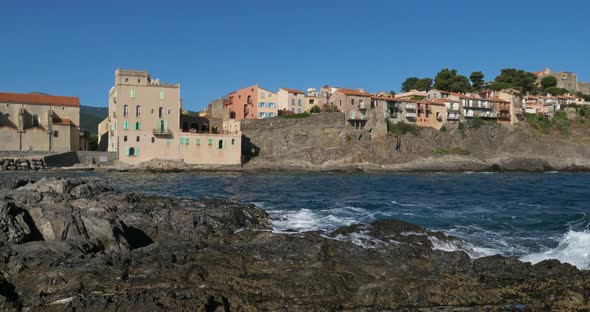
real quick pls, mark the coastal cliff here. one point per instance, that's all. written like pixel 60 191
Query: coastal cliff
pixel 77 245
pixel 325 142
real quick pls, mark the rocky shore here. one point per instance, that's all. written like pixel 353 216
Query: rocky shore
pixel 77 245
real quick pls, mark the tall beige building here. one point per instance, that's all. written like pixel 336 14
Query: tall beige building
pixel 39 122
pixel 144 124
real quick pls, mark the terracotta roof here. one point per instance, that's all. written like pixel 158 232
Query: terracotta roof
pixel 354 92
pixel 483 99
pixel 39 99
pixel 384 98
pixel 292 91
pixel 63 122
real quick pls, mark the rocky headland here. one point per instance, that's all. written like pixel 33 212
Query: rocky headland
pixel 325 142
pixel 78 245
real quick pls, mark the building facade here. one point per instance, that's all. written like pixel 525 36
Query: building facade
pixel 144 124
pixel 39 122
pixel 251 103
pixel 291 100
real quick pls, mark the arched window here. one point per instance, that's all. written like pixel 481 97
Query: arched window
pixel 132 151
pixel 153 140
pixel 125 110
pixel 220 144
pixel 249 99
pixel 137 110
pixel 161 112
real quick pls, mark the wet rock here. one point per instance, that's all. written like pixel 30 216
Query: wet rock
pixel 99 250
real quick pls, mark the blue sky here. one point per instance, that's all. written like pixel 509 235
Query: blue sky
pixel 215 47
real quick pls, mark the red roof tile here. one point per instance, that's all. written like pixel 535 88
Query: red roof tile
pixel 354 92
pixel 293 91
pixel 39 99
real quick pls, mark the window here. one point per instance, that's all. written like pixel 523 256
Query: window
pixel 160 112
pixel 198 141
pixel 181 140
pixel 125 125
pixel 167 141
pixel 126 79
pixel 260 114
pixel 132 93
pixel 124 138
pixel 261 104
pixel 138 125
pixel 35 121
pixel 153 140
pixel 299 110
pixel 137 139
pixel 125 110
pixel 137 111
pixel 233 141
pixel 220 144
pixel 269 104
pixel 292 101
pixel 152 111
pixel 168 112
pixel 138 80
pixel 262 95
pixel 210 142
pixel 299 102
pixel 161 95
pixel 311 101
pixel 132 151
pixel 352 101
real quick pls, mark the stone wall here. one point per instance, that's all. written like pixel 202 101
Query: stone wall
pixel 97 158
pixel 334 120
pixel 22 164
pixel 584 87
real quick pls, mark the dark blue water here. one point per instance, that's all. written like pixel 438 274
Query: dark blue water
pixel 534 216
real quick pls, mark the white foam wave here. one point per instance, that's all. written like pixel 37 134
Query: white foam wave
pixel 404 205
pixel 573 248
pixel 456 245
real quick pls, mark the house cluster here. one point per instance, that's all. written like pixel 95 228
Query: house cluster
pixel 146 119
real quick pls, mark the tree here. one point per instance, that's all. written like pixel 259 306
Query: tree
pixel 315 109
pixel 476 78
pixel 517 78
pixel 412 83
pixel 449 80
pixel 556 91
pixel 409 84
pixel 423 84
pixel 548 82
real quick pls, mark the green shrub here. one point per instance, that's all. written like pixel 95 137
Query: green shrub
pixel 545 124
pixel 401 128
pixel 583 111
pixel 315 109
pixel 451 151
pixel 443 128
pixel 302 115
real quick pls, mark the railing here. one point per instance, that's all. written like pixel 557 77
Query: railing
pixel 411 106
pixel 162 132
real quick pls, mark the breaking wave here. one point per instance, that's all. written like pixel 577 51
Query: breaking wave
pixel 573 248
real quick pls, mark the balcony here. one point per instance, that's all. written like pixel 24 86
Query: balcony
pixel 362 107
pixel 453 116
pixel 411 106
pixel 159 132
pixel 410 115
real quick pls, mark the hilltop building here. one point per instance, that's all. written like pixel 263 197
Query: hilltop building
pixel 144 123
pixel 39 122
pixel 251 103
pixel 291 100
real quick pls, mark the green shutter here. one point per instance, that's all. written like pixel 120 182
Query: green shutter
pixel 125 125
pixel 198 141
pixel 165 125
pixel 136 152
pixel 161 95
pixel 127 152
pixel 210 141
pixel 186 141
pixel 132 94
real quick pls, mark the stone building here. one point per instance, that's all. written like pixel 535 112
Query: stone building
pixel 39 122
pixel 144 124
pixel 292 100
pixel 565 80
pixel 353 103
pixel 251 103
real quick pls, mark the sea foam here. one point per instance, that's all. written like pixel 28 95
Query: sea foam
pixel 573 248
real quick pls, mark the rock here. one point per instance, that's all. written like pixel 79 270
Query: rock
pixel 100 250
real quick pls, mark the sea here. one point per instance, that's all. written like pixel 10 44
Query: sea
pixel 533 216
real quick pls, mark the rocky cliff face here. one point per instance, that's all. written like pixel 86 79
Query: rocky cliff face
pixel 76 245
pixel 321 146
